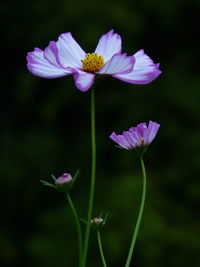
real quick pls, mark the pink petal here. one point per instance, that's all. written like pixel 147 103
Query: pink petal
pixel 120 140
pixel 108 45
pixel 42 67
pixel 70 53
pixel 83 80
pixel 119 63
pixel 140 130
pixel 144 70
pixel 131 139
pixel 151 132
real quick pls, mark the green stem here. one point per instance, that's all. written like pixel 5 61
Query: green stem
pixel 139 215
pixel 80 242
pixel 101 249
pixel 93 171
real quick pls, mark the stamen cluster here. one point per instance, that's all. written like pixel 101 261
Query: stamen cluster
pixel 92 62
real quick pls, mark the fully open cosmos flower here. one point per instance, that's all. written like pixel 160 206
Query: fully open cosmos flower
pixel 66 57
pixel 137 137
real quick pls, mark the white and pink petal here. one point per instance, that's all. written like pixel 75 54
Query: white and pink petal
pixel 40 66
pixel 119 63
pixel 51 54
pixel 70 53
pixel 83 80
pixel 108 45
pixel 144 70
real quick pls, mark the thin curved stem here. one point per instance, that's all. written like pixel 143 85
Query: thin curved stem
pixel 92 186
pixel 78 227
pixel 139 215
pixel 101 249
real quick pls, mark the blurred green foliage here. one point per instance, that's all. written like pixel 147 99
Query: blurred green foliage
pixel 45 129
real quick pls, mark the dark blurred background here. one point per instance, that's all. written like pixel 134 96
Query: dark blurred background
pixel 45 129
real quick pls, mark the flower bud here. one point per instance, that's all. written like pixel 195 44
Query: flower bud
pixel 97 223
pixel 64 182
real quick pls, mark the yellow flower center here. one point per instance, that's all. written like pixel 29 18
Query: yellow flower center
pixel 92 63
pixel 141 141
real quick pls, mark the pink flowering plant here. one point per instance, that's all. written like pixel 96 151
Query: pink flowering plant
pixel 65 57
pixel 137 138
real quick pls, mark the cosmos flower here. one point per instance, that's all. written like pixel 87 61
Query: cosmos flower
pixel 137 137
pixel 66 57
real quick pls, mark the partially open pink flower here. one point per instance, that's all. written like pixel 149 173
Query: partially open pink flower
pixel 64 182
pixel 65 178
pixel 66 57
pixel 137 137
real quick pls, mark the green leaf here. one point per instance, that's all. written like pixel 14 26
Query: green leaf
pixel 47 184
pixel 76 175
pixel 53 177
